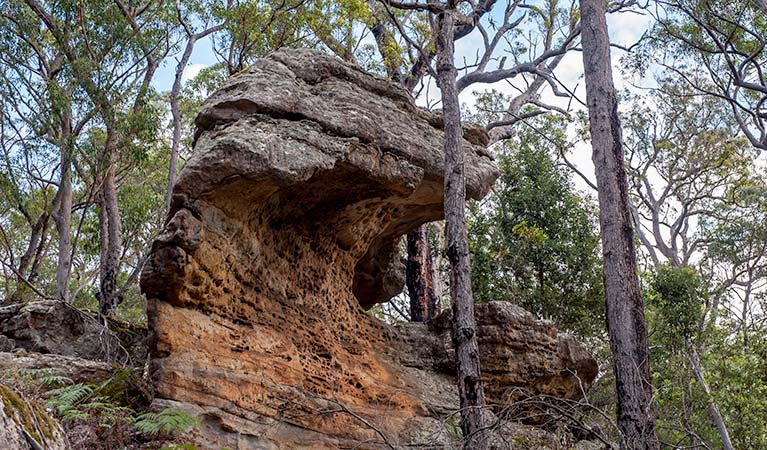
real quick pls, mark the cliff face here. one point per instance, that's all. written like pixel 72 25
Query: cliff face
pixel 283 230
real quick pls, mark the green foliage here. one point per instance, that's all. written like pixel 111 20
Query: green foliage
pixel 739 386
pixel 169 420
pixel 533 241
pixel 107 403
pixel 81 401
pixel 453 426
pixel 255 28
pixel 678 295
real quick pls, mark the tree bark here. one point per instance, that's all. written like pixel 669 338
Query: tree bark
pixel 111 239
pixel 625 306
pixel 472 396
pixel 419 270
pixel 63 224
pixel 62 215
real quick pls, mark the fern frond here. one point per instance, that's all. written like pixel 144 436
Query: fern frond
pixel 56 380
pixel 68 397
pixel 169 420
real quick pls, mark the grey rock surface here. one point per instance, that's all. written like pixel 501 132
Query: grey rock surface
pixel 77 369
pixel 48 326
pixel 312 135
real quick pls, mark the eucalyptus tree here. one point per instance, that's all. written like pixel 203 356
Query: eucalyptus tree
pixel 685 158
pixel 113 49
pixel 736 259
pixel 26 203
pixel 720 49
pixel 197 20
pixel 43 102
pixel 626 324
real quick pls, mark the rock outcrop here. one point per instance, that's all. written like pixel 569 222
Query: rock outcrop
pixel 77 369
pixel 25 425
pixel 284 229
pixel 520 355
pixel 48 326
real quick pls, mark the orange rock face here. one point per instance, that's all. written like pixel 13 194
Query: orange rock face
pixel 283 230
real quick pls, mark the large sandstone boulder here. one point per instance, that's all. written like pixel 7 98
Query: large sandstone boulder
pixel 520 355
pixel 48 326
pixel 284 229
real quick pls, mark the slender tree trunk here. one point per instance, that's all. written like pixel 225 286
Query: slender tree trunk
pixel 713 410
pixel 63 227
pixel 111 239
pixel 472 395
pixel 62 215
pixel 625 306
pixel 35 239
pixel 29 261
pixel 175 94
pixel 41 252
pixel 424 304
pixel 175 111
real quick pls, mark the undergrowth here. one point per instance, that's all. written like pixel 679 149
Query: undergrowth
pixel 107 415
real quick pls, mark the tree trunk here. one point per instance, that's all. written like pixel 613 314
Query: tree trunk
pixel 35 238
pixel 111 239
pixel 62 215
pixel 472 396
pixel 41 253
pixel 424 304
pixel 29 261
pixel 713 410
pixel 625 306
pixel 175 111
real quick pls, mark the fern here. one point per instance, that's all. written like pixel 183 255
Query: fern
pixel 48 376
pixel 67 398
pixel 56 380
pixel 83 401
pixel 169 420
pixel 115 386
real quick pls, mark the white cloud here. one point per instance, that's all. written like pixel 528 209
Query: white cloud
pixel 191 71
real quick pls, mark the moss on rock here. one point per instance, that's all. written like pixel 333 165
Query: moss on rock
pixel 32 418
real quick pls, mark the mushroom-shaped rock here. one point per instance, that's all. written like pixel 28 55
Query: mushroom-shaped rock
pixel 283 229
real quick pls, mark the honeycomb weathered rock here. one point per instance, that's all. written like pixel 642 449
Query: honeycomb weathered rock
pixel 285 221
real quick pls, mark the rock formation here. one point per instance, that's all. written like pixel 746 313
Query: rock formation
pixel 25 425
pixel 77 369
pixel 284 229
pixel 520 355
pixel 53 327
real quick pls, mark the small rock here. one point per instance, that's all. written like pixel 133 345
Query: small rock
pixel 6 344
